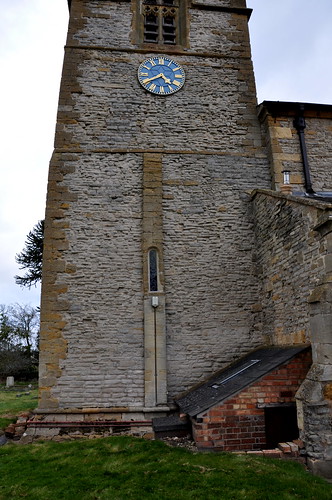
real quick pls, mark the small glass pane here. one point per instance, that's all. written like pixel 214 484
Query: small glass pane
pixel 153 271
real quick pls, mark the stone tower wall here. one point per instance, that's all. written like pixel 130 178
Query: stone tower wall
pixel 205 141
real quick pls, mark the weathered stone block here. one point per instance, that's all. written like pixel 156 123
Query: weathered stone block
pixel 321 467
pixel 321 328
pixel 322 353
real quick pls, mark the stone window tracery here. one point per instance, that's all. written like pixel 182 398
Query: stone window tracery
pixel 160 21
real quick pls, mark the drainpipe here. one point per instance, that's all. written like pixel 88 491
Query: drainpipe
pixel 300 125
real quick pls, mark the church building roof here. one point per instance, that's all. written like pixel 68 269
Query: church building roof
pixel 287 108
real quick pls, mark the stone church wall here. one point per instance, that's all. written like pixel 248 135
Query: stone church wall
pixel 211 156
pixel 102 105
pixel 290 261
pixel 284 147
pixel 100 23
pixel 209 32
pixel 97 292
pixel 293 237
pixel 211 288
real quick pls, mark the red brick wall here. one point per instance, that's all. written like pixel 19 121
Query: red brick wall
pixel 238 423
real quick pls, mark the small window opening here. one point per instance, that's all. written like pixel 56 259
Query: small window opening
pixel 169 33
pixel 151 28
pixel 153 270
pixel 160 21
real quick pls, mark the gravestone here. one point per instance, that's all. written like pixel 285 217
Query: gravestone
pixel 9 382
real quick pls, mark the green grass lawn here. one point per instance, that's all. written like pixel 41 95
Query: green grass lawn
pixel 11 404
pixel 122 468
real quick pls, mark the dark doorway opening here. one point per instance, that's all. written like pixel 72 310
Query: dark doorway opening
pixel 280 425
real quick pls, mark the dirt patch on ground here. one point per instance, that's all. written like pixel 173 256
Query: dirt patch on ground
pixel 182 442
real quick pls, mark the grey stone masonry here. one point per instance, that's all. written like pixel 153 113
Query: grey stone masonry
pixel 315 394
pixel 210 156
pixel 294 247
pixel 290 261
pixel 284 146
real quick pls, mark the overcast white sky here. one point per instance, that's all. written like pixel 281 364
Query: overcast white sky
pixel 291 44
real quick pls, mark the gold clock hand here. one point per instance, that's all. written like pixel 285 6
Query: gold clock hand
pixel 166 80
pixel 147 80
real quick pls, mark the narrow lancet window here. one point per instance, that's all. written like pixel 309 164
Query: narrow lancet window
pixel 153 270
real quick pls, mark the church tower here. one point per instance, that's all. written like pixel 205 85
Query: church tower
pixel 149 281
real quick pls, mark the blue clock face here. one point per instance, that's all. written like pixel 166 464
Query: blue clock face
pixel 161 75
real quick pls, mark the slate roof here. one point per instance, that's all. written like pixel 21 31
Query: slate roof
pixel 235 378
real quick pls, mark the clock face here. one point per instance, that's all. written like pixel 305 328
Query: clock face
pixel 161 75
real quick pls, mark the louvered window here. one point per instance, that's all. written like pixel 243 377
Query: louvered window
pixel 161 21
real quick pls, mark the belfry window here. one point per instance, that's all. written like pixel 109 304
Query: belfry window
pixel 160 21
pixel 153 270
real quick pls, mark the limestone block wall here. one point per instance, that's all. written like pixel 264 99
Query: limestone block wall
pixel 211 288
pixel 290 261
pixel 95 280
pixel 90 22
pixel 293 238
pixel 104 107
pixel 315 394
pixel 209 155
pixel 284 148
pixel 222 3
pixel 211 32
